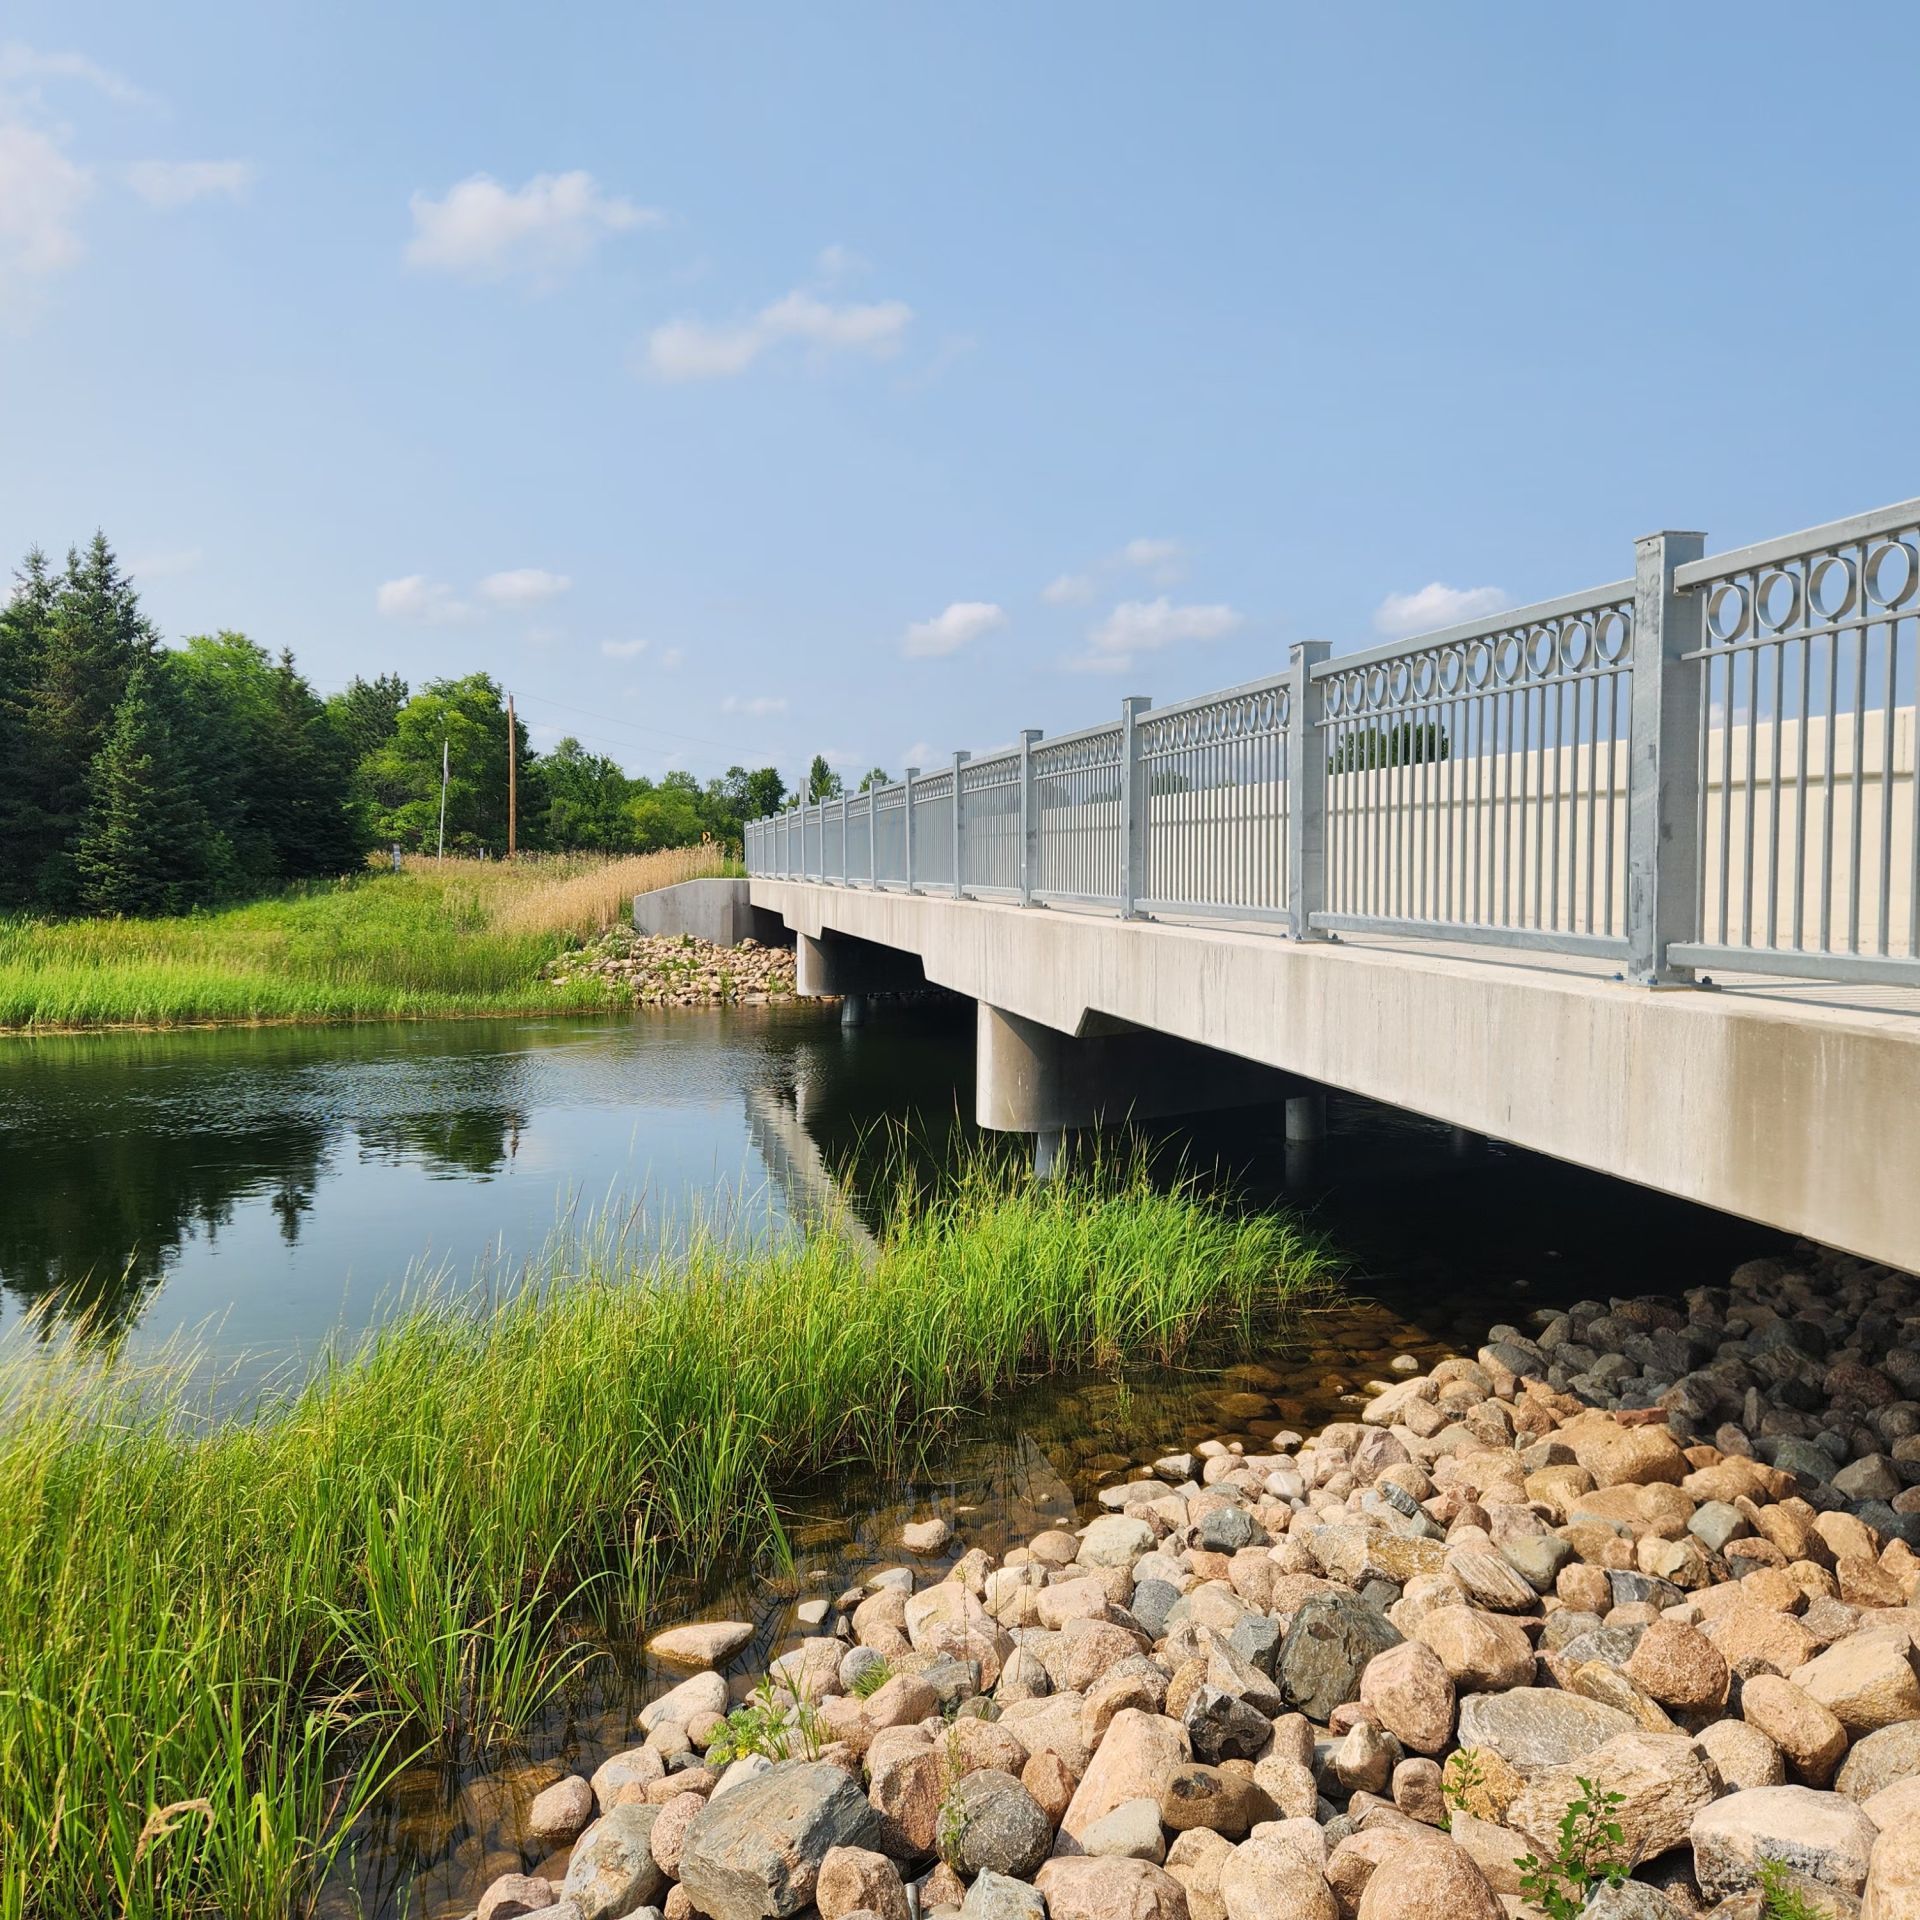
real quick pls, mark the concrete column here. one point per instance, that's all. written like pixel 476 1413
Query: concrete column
pixel 1306 1139
pixel 836 964
pixel 1047 1149
pixel 853 1010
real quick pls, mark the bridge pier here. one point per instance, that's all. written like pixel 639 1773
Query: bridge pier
pixel 837 963
pixel 1032 1078
pixel 1306 1137
pixel 853 1010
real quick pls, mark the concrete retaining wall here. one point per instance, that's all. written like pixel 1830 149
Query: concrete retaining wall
pixel 721 911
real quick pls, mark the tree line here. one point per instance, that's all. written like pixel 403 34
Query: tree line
pixel 137 778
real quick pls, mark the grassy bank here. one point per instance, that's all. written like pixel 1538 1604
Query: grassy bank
pixel 201 1627
pixel 442 937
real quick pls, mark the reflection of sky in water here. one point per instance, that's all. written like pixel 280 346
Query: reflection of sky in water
pixel 279 1183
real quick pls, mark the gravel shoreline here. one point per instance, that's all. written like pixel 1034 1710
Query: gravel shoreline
pixel 1662 1550
pixel 678 970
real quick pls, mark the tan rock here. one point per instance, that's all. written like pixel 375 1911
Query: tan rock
pixel 1742 1755
pixel 1756 1639
pixel 908 1787
pixel 1408 1690
pixel 559 1813
pixel 514 1895
pixel 1680 1667
pixel 1196 1859
pixel 1433 1880
pixel 1051 1782
pixel 1664 1780
pixel 1479 1781
pixel 1481 1652
pixel 1809 1735
pixel 981 1746
pixel 948 1619
pixel 710 1643
pixel 853 1879
pixel 1083 1889
pixel 1894 1805
pixel 1867 1680
pixel 902 1701
pixel 1617 1455
pixel 1494 1849
pixel 1893 1881
pixel 1275 1877
pixel 1139 1751
pixel 669 1831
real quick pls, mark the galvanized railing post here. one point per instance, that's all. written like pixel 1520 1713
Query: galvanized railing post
pixel 960 759
pixel 1664 769
pixel 846 859
pixel 1133 807
pixel 906 827
pixel 1306 792
pixel 1029 816
pixel 873 838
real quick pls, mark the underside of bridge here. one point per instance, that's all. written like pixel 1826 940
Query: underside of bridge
pixel 1795 1106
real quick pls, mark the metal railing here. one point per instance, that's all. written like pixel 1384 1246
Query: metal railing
pixel 1710 764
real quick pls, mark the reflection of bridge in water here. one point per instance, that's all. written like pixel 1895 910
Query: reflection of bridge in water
pixel 1461 874
pixel 812 1193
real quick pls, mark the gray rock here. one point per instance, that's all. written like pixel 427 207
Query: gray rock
pixel 997 1896
pixel 1537 1557
pixel 992 1824
pixel 1130 1832
pixel 859 1660
pixel 1222 1727
pixel 1326 1649
pixel 1880 1759
pixel 754 1852
pixel 1803 1457
pixel 1611 1646
pixel 1228 1529
pixel 1873 1477
pixel 1255 1637
pixel 1535 1729
pixel 1631 1900
pixel 1717 1522
pixel 613 1868
pixel 1824 1836
pixel 1642 1589
pixel 951 1680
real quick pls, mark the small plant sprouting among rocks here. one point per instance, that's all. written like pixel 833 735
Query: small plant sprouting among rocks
pixel 1780 1899
pixel 1587 1856
pixel 764 1726
pixel 1462 1779
pixel 869 1680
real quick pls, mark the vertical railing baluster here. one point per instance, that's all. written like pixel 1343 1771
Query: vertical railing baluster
pixel 960 759
pixel 906 828
pixel 1307 795
pixel 1029 816
pixel 1665 760
pixel 1133 806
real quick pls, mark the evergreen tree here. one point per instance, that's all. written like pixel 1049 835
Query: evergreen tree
pixel 144 845
pixel 24 619
pixel 96 636
pixel 822 782
pixel 366 712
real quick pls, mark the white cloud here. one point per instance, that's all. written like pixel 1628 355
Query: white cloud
pixel 920 754
pixel 170 184
pixel 41 193
pixel 696 350
pixel 1436 605
pixel 960 625
pixel 1163 560
pixel 672 658
pixel 415 597
pixel 1068 590
pixel 18 62
pixel 758 705
pixel 1144 626
pixel 623 649
pixel 524 586
pixel 541 231
pixel 837 262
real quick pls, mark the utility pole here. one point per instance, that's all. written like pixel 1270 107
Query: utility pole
pixel 513 784
pixel 443 797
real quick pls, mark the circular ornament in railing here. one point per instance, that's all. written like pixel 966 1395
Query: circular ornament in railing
pixel 1377 687
pixel 1336 695
pixel 1729 611
pixel 1541 645
pixel 1776 600
pixel 1281 709
pixel 1576 644
pixel 1611 632
pixel 1893 574
pixel 1833 585
pixel 1399 683
pixel 1452 670
pixel 1479 664
pixel 1509 659
pixel 1426 675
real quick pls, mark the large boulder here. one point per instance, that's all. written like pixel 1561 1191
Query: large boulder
pixel 1822 1836
pixel 1881 1759
pixel 1327 1647
pixel 1408 1691
pixel 1680 1667
pixel 710 1643
pixel 1664 1780
pixel 1536 1729
pixel 858 1880
pixel 947 1619
pixel 613 1869
pixel 1430 1880
pixel 704 1693
pixel 1140 1751
pixel 1893 1879
pixel 1270 1878
pixel 1087 1889
pixel 1809 1736
pixel 1482 1652
pixel 1866 1681
pixel 755 1852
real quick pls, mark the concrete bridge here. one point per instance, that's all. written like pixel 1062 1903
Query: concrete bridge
pixel 1630 877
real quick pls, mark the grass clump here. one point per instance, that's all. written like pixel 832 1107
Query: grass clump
pixel 440 937
pixel 215 1638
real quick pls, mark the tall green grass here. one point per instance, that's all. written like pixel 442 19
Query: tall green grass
pixel 245 1623
pixel 465 936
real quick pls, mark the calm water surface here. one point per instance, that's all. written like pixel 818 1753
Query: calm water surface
pixel 261 1190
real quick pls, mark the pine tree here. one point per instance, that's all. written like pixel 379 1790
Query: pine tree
pixel 145 844
pixel 24 619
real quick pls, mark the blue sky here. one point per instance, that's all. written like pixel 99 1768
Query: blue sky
pixel 735 382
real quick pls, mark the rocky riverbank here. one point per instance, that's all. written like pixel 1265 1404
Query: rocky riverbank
pixel 1615 1617
pixel 676 970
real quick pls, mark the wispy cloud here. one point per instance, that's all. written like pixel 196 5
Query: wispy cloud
pixel 959 626
pixel 539 233
pixel 172 184
pixel 1436 605
pixel 920 754
pixel 756 705
pixel 416 598
pixel 672 657
pixel 21 63
pixel 1068 590
pixel 690 349
pixel 1145 626
pixel 1163 561
pixel 41 193
pixel 623 649
pixel 524 586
